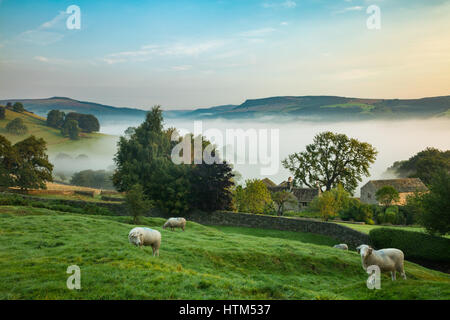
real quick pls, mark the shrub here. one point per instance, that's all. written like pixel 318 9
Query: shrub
pixel 357 211
pixel 17 127
pixel 415 245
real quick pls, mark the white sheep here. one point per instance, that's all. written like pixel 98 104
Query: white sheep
pixel 175 223
pixel 386 259
pixel 146 237
pixel 341 246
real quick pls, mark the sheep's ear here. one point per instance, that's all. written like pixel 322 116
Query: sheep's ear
pixel 358 249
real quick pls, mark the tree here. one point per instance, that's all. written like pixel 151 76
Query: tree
pixel 8 159
pixel 357 211
pixel 16 127
pixel 70 129
pixel 387 195
pixel 254 197
pixel 18 107
pixel 2 113
pixel 32 169
pixel 86 122
pixel 136 202
pixel 211 186
pixel 55 119
pixel 281 198
pixel 145 158
pixel 331 159
pixel 424 165
pixel 99 179
pixel 326 205
pixel 435 205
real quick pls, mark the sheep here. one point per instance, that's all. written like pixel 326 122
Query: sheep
pixel 341 246
pixel 175 223
pixel 386 259
pixel 146 237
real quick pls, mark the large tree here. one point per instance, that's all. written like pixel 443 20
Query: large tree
pixel 32 169
pixel 18 107
pixel 330 160
pixel 254 198
pixel 211 186
pixel 144 158
pixel 387 195
pixel 70 129
pixel 86 122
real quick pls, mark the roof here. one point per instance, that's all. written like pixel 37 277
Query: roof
pixel 302 194
pixel 269 183
pixel 401 185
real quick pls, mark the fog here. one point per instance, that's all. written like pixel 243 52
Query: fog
pixel 394 141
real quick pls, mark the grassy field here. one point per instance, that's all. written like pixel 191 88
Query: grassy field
pixel 37 246
pixel 55 141
pixel 366 228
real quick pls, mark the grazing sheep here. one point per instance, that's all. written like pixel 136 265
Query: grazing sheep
pixel 341 246
pixel 175 223
pixel 386 259
pixel 146 237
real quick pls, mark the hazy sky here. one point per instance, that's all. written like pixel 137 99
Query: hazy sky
pixel 203 53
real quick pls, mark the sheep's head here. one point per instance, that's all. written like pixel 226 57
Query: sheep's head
pixel 165 225
pixel 136 238
pixel 364 250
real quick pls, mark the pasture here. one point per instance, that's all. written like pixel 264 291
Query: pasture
pixel 37 245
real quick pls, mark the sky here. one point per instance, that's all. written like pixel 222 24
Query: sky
pixel 189 54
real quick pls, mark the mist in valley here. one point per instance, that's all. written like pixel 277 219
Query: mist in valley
pixel 394 141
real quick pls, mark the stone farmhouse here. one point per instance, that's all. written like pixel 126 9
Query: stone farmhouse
pixel 405 187
pixel 304 195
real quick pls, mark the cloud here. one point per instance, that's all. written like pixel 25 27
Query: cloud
pixel 182 68
pixel 257 32
pixel 350 9
pixel 147 52
pixel 285 4
pixel 41 59
pixel 47 33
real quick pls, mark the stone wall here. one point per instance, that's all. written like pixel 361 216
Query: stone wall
pixel 338 232
pixel 341 233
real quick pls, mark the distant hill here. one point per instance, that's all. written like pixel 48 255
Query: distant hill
pixel 103 112
pixel 331 108
pixel 328 108
pixel 55 141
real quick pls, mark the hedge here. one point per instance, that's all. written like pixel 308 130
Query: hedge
pixel 415 245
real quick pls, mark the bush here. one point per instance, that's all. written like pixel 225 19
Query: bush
pixel 357 211
pixel 415 245
pixel 17 127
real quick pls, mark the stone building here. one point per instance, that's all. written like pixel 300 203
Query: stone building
pixel 304 195
pixel 405 187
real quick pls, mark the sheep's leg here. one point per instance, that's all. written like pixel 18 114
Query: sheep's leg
pixel 153 249
pixel 402 272
pixel 393 275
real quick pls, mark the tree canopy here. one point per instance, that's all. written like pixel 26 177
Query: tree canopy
pixel 144 157
pixel 387 195
pixel 55 118
pixel 16 127
pixel 25 164
pixel 330 160
pixel 424 165
pixel 70 129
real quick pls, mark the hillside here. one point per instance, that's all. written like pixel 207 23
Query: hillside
pixel 37 245
pixel 55 141
pixel 103 112
pixel 332 108
pixel 327 108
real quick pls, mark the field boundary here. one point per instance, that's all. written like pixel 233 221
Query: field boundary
pixel 336 231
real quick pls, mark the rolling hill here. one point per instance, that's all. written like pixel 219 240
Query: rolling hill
pixel 328 108
pixel 55 141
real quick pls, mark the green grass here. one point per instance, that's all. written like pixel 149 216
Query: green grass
pixel 55 141
pixel 366 227
pixel 37 245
